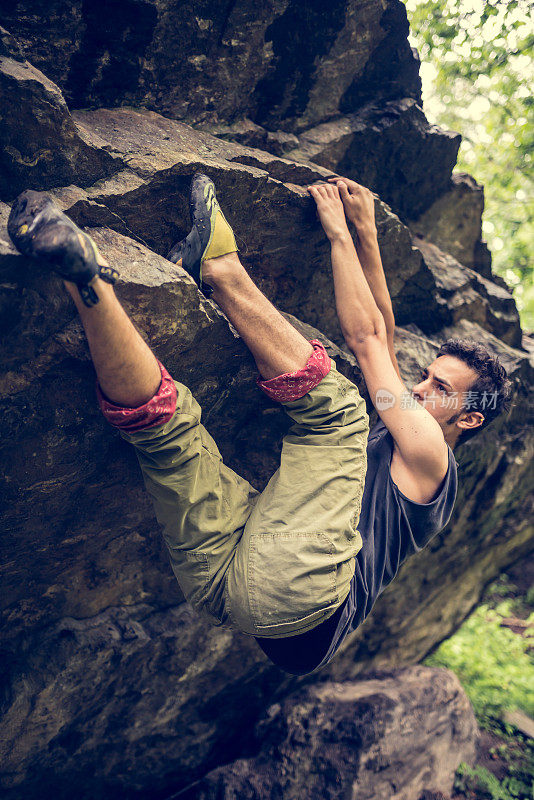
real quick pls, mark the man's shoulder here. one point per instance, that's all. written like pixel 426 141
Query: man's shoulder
pixel 417 480
pixel 418 485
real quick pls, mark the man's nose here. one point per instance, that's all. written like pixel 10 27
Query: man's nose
pixel 422 388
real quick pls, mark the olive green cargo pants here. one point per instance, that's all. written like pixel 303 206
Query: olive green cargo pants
pixel 275 563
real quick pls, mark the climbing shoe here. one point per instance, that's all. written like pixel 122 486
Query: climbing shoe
pixel 210 236
pixel 39 229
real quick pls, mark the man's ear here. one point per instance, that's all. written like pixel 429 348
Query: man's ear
pixel 470 420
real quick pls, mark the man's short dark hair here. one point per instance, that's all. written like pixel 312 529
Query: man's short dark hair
pixel 492 380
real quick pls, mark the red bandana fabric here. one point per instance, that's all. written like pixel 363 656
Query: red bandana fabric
pixel 294 385
pixel 160 408
pixel 156 411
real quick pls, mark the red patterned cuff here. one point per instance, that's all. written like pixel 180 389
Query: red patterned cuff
pixel 156 411
pixel 294 385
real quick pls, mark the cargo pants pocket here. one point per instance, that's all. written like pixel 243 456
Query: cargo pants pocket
pixel 292 580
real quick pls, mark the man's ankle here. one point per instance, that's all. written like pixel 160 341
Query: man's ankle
pixel 100 287
pixel 221 270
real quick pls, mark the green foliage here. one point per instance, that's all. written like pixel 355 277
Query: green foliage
pixel 493 664
pixel 480 780
pixel 477 66
pixel 496 668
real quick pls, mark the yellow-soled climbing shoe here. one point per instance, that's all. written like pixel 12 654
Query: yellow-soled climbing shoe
pixel 39 229
pixel 211 235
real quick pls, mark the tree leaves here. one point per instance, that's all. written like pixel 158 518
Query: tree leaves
pixel 480 55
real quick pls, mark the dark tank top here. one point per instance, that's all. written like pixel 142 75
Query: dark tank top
pixel 393 528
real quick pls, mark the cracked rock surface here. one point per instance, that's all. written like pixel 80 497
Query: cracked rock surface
pixel 370 738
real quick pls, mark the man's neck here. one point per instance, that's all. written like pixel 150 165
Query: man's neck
pixel 451 438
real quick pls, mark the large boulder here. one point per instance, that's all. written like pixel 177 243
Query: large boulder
pixel 267 203
pixel 111 683
pixel 86 569
pixel 265 198
pixel 90 607
pixel 391 736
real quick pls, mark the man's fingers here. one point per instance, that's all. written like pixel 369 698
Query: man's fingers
pixel 350 184
pixel 329 189
pixel 316 192
pixel 324 190
pixel 338 182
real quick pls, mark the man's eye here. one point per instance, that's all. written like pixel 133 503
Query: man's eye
pixel 442 389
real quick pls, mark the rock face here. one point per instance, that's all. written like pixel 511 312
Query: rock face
pixel 391 148
pixel 277 62
pixel 462 293
pixel 110 682
pixel 453 223
pixel 41 144
pixel 392 737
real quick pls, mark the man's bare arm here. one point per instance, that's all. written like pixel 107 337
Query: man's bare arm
pixel 357 311
pixel 417 435
pixel 358 203
pixel 369 254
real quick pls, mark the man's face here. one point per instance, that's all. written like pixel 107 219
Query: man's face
pixel 442 386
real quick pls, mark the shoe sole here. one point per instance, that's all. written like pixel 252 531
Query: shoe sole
pixel 203 208
pixel 40 230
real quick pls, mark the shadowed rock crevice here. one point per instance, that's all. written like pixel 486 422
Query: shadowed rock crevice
pixel 109 60
pixel 41 146
pixel 300 37
pixel 393 69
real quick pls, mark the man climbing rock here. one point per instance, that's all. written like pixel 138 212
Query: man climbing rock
pixel 299 565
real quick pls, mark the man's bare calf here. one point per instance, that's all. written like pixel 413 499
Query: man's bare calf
pixel 127 369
